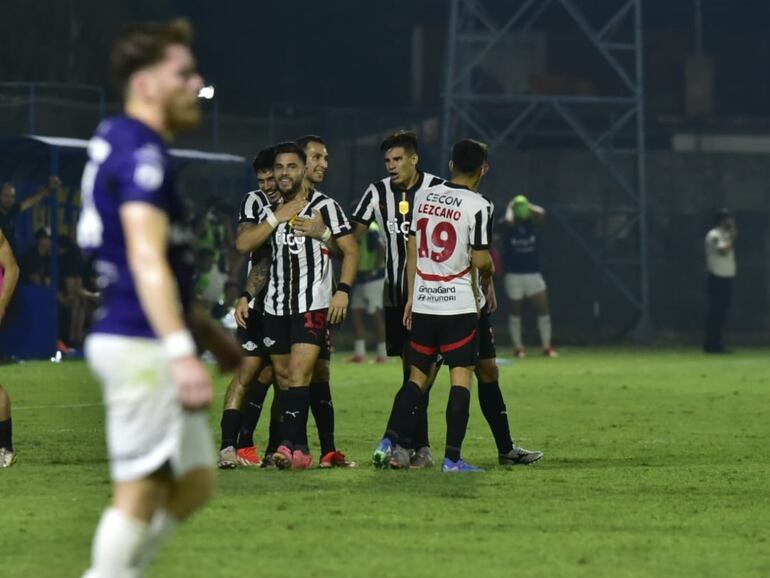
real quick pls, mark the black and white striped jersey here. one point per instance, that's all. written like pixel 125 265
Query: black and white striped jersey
pixel 250 211
pixel 392 209
pixel 301 273
pixel 251 206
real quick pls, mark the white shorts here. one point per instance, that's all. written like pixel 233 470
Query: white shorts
pixel 146 425
pixel 368 296
pixel 521 285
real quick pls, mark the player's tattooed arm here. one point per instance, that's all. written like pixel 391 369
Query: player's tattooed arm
pixel 258 276
pixel 315 228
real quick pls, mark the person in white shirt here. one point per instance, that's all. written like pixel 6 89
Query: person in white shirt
pixel 720 263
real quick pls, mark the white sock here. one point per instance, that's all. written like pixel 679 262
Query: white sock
pixel 359 347
pixel 162 526
pixel 514 326
pixel 382 349
pixel 117 546
pixel 544 326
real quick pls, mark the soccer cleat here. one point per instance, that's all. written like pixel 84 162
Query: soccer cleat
pixel 267 461
pixel 357 359
pixel 520 353
pixel 301 460
pixel 550 352
pixel 380 359
pixel 458 467
pixel 381 455
pixel 335 459
pixel 422 458
pixel 519 456
pixel 248 456
pixel 7 458
pixel 283 458
pixel 401 458
pixel 228 458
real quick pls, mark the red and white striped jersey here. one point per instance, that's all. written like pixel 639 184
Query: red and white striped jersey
pixel 448 222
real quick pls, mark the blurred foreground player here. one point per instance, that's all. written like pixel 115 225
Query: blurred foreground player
pixel 141 347
pixel 9 276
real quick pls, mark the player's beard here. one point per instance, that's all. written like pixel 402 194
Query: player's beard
pixel 182 112
pixel 293 191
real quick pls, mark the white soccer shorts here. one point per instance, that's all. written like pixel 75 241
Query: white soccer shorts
pixel 146 425
pixel 521 285
pixel 368 296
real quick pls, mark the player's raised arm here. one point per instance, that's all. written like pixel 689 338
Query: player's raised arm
pixel 10 274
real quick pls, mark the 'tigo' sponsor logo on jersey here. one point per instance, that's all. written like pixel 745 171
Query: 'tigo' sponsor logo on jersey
pixel 396 227
pixel 293 241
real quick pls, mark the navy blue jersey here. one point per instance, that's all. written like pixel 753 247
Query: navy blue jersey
pixel 128 162
pixel 520 247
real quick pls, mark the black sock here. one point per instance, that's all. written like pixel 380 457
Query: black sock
pixel 295 405
pixel 6 434
pixel 252 409
pixel 493 408
pixel 323 413
pixel 230 424
pixel 390 428
pixel 276 420
pixel 457 412
pixel 404 418
pixel 420 439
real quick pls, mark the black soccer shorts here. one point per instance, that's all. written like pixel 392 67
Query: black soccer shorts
pixel 455 337
pixel 251 338
pixel 396 335
pixel 282 331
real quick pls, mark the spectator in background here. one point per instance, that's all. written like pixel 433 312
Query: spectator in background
pixel 10 209
pixel 368 294
pixel 212 232
pixel 224 309
pixel 209 280
pixel 720 264
pixel 36 263
pixel 523 279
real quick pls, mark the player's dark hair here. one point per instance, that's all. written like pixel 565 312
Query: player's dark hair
pixel 403 138
pixel 468 156
pixel 721 215
pixel 264 160
pixel 305 140
pixel 290 147
pixel 141 45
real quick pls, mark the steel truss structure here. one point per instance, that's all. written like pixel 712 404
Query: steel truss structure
pixel 610 126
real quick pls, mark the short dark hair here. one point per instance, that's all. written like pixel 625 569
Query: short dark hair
pixel 468 156
pixel 721 215
pixel 304 140
pixel 289 147
pixel 264 159
pixel 402 138
pixel 141 45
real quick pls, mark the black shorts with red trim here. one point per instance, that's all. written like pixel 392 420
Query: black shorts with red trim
pixel 455 337
pixel 283 331
pixel 396 335
pixel 251 337
pixel 487 349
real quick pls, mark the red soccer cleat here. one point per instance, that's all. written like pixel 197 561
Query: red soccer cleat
pixel 335 459
pixel 550 352
pixel 248 456
pixel 520 353
pixel 301 461
pixel 357 359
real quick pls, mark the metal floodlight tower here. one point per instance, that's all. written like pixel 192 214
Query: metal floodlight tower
pixel 477 30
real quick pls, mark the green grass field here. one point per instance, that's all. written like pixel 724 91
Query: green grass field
pixel 657 464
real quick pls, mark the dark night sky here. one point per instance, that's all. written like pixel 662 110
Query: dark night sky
pixel 350 52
